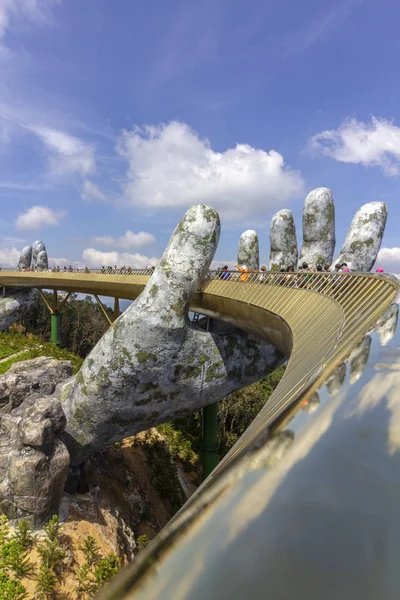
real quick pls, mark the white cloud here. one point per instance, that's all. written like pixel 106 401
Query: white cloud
pixel 38 217
pixel 62 262
pixel 94 259
pixel 127 241
pixel 67 154
pixel 36 11
pixel 170 166
pixel 389 259
pixel 9 257
pixel 91 191
pixel 376 143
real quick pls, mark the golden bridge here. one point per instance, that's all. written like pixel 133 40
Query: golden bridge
pixel 315 319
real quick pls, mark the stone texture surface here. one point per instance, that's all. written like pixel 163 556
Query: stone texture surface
pixel 248 251
pixel 14 304
pixel 336 380
pixel 31 379
pixel 37 248
pixel 387 324
pixel 17 300
pixel 25 259
pixel 151 366
pixel 34 461
pixel 318 228
pixel 364 237
pixel 42 261
pixel 358 359
pixel 283 241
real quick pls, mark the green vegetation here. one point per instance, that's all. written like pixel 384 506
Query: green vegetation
pixel 180 447
pixel 164 477
pixel 95 571
pixel 235 413
pixel 14 562
pixel 82 323
pixel 52 550
pixel 24 347
pixel 142 541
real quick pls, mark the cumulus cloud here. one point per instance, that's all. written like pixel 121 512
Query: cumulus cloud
pixel 9 257
pixel 38 217
pixel 170 166
pixel 62 262
pixel 91 191
pixel 375 143
pixel 127 241
pixel 389 259
pixel 94 259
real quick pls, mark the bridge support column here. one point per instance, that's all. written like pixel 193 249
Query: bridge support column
pixel 55 328
pixel 209 442
pixel 54 311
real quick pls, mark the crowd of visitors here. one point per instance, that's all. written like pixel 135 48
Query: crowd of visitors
pixel 243 272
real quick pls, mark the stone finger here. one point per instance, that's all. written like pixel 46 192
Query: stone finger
pixel 387 324
pixel 182 267
pixel 25 259
pixel 37 247
pixel 283 241
pixel 248 251
pixel 358 359
pixel 318 228
pixel 364 237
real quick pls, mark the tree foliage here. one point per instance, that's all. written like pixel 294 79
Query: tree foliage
pixel 82 323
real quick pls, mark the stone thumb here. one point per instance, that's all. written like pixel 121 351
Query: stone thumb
pixel 183 266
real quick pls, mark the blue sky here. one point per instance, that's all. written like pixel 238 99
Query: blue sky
pixel 117 115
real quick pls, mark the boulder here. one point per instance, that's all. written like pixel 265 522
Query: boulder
pixel 34 461
pixel 31 379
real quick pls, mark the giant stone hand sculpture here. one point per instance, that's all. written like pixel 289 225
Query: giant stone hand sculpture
pixel 17 300
pixel 151 365
pixel 359 250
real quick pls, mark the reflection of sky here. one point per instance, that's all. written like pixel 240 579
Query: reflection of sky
pixel 324 522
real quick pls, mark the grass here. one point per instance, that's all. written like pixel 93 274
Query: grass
pixel 31 347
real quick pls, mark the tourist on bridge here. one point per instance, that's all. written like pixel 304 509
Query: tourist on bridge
pixel 244 272
pixel 224 274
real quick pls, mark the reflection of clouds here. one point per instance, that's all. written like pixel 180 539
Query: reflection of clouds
pixel 257 497
pixel 382 387
pixel 168 581
pixel 387 324
pixel 312 404
pixel 192 557
pixel 359 358
pixel 336 380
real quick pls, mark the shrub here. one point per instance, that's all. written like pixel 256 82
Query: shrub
pixel 142 541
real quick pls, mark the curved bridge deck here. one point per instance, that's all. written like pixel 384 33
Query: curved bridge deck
pixel 313 318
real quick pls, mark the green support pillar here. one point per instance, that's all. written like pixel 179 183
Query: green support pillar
pixel 209 442
pixel 55 328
